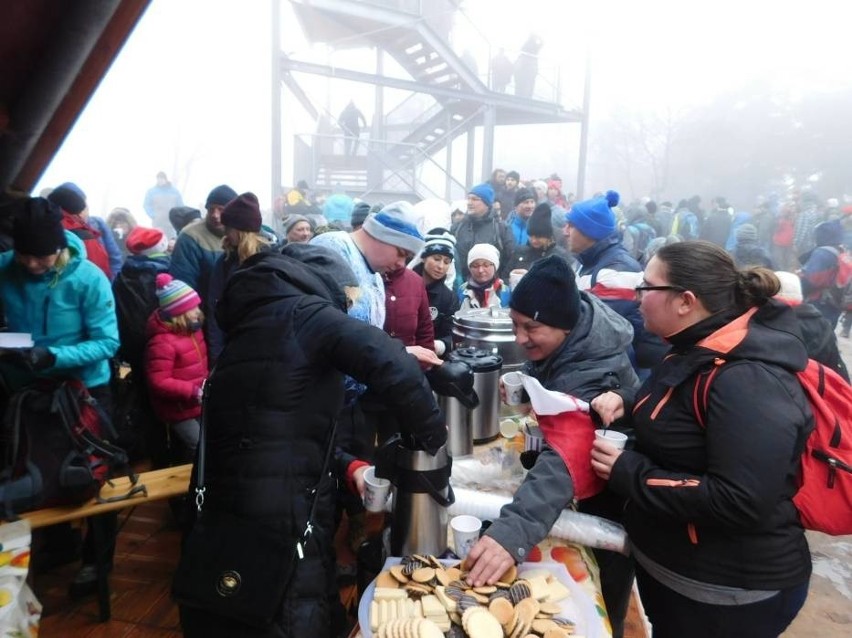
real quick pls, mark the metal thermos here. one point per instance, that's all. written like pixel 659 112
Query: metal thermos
pixel 459 430
pixel 421 494
pixel 484 420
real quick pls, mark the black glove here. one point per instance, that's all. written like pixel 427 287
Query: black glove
pixel 39 358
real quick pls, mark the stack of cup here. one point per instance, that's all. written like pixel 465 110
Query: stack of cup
pixel 533 439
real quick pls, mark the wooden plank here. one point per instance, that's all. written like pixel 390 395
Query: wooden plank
pixel 160 484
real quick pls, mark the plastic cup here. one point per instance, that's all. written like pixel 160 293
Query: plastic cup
pixel 515 277
pixel 514 388
pixel 509 428
pixel 465 533
pixel 617 439
pixel 376 491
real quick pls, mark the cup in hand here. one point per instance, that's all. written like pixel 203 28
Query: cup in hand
pixel 376 490
pixel 616 439
pixel 465 533
pixel 514 388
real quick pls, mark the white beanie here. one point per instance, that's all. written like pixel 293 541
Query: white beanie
pixel 484 251
pixel 791 287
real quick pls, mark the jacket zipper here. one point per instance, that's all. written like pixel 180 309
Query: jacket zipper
pixel 44 315
pixel 660 482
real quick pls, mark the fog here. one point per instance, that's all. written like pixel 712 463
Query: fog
pixel 730 98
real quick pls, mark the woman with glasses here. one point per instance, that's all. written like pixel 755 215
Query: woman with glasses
pixel 483 288
pixel 719 547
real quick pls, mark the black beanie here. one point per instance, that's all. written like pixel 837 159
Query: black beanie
pixel 38 230
pixel 220 196
pixel 540 224
pixel 67 199
pixel 524 194
pixel 548 294
pixel 359 214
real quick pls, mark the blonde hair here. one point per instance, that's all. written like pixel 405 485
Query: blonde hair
pixel 180 324
pixel 248 243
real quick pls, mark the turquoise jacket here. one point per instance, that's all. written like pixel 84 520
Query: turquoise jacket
pixel 70 312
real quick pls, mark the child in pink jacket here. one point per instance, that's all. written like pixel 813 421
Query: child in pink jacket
pixel 176 363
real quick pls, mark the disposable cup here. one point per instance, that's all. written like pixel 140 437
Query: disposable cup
pixel 514 388
pixel 465 533
pixel 376 491
pixel 515 277
pixel 617 439
pixel 509 428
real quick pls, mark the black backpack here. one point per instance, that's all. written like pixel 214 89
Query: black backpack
pixel 56 448
pixel 135 292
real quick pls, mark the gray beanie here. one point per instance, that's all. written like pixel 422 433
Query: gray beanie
pixel 395 225
pixel 291 220
pixel 746 232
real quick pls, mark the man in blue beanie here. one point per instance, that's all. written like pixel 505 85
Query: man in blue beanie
pixel 482 226
pixel 607 270
pixel 200 243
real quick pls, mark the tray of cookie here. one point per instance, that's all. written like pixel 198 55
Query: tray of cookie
pixel 426 597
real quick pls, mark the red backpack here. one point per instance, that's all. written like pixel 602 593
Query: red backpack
pixel 824 499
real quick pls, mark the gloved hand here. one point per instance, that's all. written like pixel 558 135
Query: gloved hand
pixel 39 358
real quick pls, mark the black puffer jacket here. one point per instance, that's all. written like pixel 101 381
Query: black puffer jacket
pixel 487 229
pixel 276 390
pixel 714 503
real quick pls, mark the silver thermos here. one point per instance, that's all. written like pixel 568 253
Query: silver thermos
pixel 421 494
pixel 459 432
pixel 484 420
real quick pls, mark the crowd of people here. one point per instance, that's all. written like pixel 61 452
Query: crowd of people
pixel 332 317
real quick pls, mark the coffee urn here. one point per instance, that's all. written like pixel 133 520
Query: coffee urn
pixel 485 419
pixel 421 494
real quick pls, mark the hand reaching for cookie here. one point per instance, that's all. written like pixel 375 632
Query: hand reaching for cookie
pixel 487 562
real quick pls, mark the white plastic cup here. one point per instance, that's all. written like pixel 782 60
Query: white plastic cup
pixel 376 491
pixel 515 277
pixel 465 533
pixel 617 439
pixel 514 388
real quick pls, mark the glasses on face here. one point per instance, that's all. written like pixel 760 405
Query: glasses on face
pixel 645 287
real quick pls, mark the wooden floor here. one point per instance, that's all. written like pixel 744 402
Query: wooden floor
pixel 146 555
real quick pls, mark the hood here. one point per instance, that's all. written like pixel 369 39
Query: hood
pixel 599 332
pixel 269 277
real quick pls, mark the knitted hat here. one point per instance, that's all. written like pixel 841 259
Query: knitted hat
pixel 220 196
pixel 548 294
pixel 791 287
pixel 359 214
pixel 745 233
pixel 394 225
pixel 594 217
pixel 484 251
pixel 175 297
pixel 524 194
pixel 290 221
pixel 181 216
pixel 484 192
pixel 38 230
pixel 243 213
pixel 69 198
pixel 338 208
pixel 540 224
pixel 147 241
pixel 514 175
pixel 439 241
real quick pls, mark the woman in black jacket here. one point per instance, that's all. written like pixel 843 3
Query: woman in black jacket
pixel 436 259
pixel 719 547
pixel 275 393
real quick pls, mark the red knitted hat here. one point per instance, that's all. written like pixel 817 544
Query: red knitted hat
pixel 146 241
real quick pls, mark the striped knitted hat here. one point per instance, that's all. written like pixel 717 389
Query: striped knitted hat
pixel 439 241
pixel 175 297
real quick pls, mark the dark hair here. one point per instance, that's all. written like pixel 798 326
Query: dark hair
pixel 710 274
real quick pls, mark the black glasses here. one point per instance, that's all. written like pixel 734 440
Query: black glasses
pixel 640 289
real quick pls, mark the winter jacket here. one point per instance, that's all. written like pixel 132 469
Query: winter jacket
pixel 714 503
pixel 819 338
pixel 443 304
pixel 526 256
pixel 482 230
pixel 749 253
pixel 70 312
pixel 275 393
pixel 518 226
pixel 194 254
pixel 717 227
pixel 407 316
pixel 135 291
pixel 609 254
pixel 91 238
pixel 591 360
pixel 175 367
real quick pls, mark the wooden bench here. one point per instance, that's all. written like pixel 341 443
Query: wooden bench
pixel 159 484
